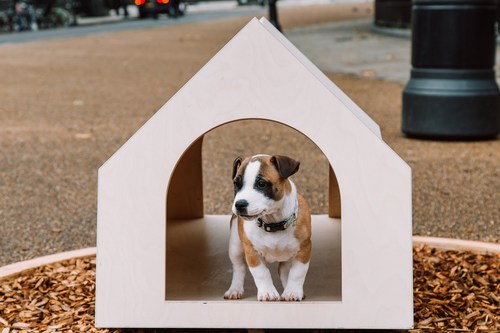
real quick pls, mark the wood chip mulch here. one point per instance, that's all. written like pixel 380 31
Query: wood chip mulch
pixel 456 291
pixel 453 291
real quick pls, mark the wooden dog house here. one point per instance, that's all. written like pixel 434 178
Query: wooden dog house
pixel 161 262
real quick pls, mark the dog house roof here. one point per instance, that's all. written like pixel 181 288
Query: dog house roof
pixel 257 75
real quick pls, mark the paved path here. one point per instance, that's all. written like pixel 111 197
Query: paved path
pixel 354 48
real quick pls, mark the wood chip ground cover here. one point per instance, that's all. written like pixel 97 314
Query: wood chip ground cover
pixel 453 291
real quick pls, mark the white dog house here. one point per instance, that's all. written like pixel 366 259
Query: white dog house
pixel 162 263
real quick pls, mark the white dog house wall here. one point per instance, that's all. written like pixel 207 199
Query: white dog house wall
pixel 162 263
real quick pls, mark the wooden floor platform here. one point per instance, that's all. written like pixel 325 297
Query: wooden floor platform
pixel 198 266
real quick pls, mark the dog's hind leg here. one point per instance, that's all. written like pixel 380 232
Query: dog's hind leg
pixel 283 270
pixel 237 257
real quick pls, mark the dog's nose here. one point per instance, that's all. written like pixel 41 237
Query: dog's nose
pixel 241 205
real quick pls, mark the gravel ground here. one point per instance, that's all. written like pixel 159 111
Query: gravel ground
pixel 67 105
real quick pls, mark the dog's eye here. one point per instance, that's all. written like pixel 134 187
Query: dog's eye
pixel 261 183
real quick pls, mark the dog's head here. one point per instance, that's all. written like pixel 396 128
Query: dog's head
pixel 260 183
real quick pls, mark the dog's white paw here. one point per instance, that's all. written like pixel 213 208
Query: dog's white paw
pixel 233 294
pixel 292 295
pixel 268 295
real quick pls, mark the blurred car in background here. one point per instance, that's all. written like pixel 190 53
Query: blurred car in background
pixel 173 8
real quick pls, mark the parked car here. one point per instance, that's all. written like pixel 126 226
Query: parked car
pixel 155 7
pixel 251 2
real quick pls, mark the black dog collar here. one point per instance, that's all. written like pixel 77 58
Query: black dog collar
pixel 278 226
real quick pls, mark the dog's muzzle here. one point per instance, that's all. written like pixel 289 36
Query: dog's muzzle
pixel 241 209
pixel 241 206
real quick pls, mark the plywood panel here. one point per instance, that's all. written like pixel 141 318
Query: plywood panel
pixel 333 195
pixel 185 191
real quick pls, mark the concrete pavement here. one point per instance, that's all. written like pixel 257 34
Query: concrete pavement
pixel 354 48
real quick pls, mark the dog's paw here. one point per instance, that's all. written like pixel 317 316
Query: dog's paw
pixel 292 295
pixel 233 294
pixel 268 295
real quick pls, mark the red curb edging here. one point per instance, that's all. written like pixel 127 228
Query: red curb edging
pixel 436 242
pixel 456 244
pixel 18 267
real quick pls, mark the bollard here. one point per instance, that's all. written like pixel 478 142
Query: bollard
pixel 392 13
pixel 452 93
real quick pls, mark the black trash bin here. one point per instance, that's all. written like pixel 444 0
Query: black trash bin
pixel 452 93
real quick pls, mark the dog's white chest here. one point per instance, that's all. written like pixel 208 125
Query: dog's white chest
pixel 272 246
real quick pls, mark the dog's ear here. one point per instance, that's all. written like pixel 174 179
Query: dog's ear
pixel 286 166
pixel 236 165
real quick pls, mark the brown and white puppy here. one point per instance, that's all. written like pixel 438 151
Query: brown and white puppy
pixel 271 223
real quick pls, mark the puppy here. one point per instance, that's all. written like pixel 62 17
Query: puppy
pixel 271 222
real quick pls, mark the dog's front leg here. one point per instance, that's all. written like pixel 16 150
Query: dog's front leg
pixel 294 290
pixel 266 291
pixel 264 282
pixel 237 257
